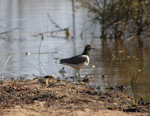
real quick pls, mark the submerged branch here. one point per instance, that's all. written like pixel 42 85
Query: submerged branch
pixel 4 67
pixel 8 31
pixel 53 22
pixel 36 68
pixel 55 33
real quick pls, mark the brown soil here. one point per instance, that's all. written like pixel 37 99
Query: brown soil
pixel 47 96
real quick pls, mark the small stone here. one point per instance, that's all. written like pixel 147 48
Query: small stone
pixel 27 53
pixel 17 107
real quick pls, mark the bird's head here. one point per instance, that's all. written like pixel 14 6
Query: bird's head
pixel 89 47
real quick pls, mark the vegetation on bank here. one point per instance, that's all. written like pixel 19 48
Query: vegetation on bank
pixel 50 95
pixel 120 18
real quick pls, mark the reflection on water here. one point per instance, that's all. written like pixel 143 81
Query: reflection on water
pixel 117 61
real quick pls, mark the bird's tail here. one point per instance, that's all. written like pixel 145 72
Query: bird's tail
pixel 62 61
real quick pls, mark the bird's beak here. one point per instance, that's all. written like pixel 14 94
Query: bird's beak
pixel 96 49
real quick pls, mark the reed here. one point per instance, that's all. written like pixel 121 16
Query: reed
pixel 134 78
pixel 4 67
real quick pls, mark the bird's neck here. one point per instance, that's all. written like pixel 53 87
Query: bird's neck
pixel 86 52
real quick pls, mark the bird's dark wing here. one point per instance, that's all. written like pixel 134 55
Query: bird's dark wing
pixel 74 60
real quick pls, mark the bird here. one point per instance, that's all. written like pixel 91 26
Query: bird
pixel 79 61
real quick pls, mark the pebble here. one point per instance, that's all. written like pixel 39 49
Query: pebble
pixel 17 107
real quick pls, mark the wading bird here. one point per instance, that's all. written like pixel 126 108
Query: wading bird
pixel 79 61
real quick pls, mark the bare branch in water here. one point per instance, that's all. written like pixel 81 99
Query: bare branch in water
pixel 36 68
pixel 8 31
pixel 4 67
pixel 53 22
pixel 66 30
pixel 44 68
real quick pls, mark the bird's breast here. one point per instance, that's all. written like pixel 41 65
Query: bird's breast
pixel 87 59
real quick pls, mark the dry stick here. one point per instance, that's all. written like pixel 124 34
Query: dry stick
pixel 44 68
pixel 8 31
pixel 53 22
pixel 4 68
pixel 136 77
pixel 12 95
pixel 36 68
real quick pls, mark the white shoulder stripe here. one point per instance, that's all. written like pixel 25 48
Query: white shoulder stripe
pixel 88 59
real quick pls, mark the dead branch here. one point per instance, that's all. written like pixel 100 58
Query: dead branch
pixel 12 96
pixel 8 31
pixel 53 22
pixel 4 68
pixel 36 68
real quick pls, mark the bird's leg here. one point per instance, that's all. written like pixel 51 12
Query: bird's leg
pixel 79 74
pixel 76 76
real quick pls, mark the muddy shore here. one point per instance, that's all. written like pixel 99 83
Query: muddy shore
pixel 48 96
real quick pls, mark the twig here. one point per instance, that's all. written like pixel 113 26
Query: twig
pixel 4 68
pixel 8 31
pixel 112 53
pixel 42 34
pixel 39 50
pixel 137 75
pixel 44 68
pixel 53 22
pixel 130 38
pixel 12 95
pixel 36 68
pixel 134 78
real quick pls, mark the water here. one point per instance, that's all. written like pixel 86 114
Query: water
pixel 29 17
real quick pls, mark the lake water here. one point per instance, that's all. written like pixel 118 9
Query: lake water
pixel 26 18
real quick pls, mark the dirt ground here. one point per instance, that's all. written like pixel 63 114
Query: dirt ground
pixel 45 96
